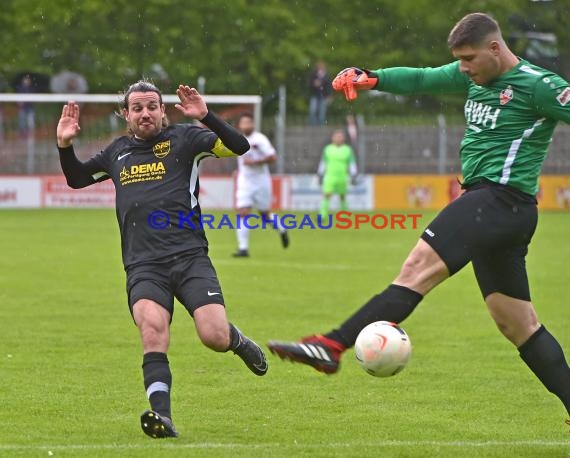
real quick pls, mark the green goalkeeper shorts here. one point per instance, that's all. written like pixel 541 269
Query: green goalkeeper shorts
pixel 335 185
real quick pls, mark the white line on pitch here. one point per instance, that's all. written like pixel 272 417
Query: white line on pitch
pixel 212 445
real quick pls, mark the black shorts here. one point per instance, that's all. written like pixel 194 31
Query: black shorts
pixel 490 225
pixel 189 276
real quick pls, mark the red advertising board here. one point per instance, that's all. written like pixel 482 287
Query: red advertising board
pixel 56 193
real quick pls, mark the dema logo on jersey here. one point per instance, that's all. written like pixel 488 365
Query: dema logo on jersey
pixel 143 172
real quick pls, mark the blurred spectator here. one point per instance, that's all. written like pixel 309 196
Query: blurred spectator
pixel 66 82
pixel 319 94
pixel 26 113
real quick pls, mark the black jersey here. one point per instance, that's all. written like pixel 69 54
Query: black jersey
pixel 157 188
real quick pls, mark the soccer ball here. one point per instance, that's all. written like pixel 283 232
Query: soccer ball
pixel 383 349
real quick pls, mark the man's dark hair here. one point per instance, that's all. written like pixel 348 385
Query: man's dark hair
pixel 140 86
pixel 472 30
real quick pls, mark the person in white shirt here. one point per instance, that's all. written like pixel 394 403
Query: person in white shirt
pixel 253 188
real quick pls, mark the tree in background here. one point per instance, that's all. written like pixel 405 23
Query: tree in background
pixel 240 46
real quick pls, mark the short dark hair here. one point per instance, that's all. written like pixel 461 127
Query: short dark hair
pixel 140 86
pixel 472 30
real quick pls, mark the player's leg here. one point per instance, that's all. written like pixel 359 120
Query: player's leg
pixel 503 281
pixel 328 186
pixel 242 232
pixel 218 334
pixel 151 306
pixel 153 321
pixel 322 110
pixel 263 199
pixel 423 270
pixel 442 251
pixel 537 347
pixel 313 111
pixel 343 204
pixel 325 204
pixel 341 189
pixel 198 289
pixel 244 204
pixel 515 318
pixel 272 218
pixel 212 326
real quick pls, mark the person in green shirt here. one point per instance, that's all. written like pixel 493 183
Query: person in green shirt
pixel 336 168
pixel 511 110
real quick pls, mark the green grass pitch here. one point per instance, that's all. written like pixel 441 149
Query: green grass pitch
pixel 71 383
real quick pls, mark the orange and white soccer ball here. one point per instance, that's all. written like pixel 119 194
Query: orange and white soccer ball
pixel 383 349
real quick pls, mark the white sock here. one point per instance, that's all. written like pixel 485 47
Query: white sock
pixel 278 225
pixel 243 237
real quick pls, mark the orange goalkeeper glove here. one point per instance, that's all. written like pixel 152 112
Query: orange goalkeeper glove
pixel 352 79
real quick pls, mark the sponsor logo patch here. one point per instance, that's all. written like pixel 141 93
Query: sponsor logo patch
pixel 506 95
pixel 142 172
pixel 564 97
pixel 161 149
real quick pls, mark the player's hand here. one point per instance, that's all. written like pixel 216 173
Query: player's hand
pixel 320 178
pixel 352 79
pixel 191 103
pixel 68 125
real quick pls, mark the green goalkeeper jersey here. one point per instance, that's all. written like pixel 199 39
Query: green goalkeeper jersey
pixel 509 121
pixel 337 162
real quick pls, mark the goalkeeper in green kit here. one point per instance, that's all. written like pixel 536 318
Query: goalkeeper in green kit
pixel 511 111
pixel 336 168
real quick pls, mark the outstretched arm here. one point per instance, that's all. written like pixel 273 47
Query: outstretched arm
pixel 193 106
pixel 78 174
pixel 402 80
pixel 446 79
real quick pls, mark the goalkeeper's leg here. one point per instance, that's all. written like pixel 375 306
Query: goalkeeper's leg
pixel 343 204
pixel 430 262
pixel 325 205
pixel 422 271
pixel 539 349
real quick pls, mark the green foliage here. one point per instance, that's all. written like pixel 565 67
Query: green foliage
pixel 240 46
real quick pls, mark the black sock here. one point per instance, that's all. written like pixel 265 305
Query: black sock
pixel 544 356
pixel 157 382
pixel 234 338
pixel 393 304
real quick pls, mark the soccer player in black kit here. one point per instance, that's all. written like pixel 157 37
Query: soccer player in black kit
pixel 165 250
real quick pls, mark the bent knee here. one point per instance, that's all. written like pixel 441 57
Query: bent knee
pixel 153 322
pixel 516 319
pixel 152 336
pixel 217 339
